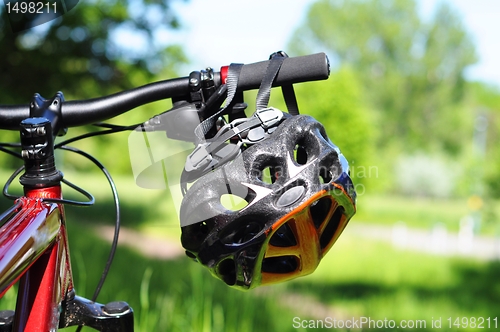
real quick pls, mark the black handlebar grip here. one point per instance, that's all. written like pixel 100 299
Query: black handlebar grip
pixel 306 68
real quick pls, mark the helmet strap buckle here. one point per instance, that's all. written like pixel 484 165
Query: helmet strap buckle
pixel 269 117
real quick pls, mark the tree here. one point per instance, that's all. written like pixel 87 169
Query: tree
pixel 412 71
pixel 339 106
pixel 486 101
pixel 77 54
pixel 347 120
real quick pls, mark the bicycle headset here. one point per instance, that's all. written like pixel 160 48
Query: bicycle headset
pixel 293 180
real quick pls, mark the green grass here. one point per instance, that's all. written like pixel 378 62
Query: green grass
pixel 361 278
pixel 176 295
pixel 356 279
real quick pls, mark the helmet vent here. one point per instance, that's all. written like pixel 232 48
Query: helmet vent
pixel 325 175
pixel 319 210
pixel 323 134
pixel 283 237
pixel 233 202
pixel 227 270
pixel 331 227
pixel 300 153
pixel 270 174
pixel 240 233
pixel 281 264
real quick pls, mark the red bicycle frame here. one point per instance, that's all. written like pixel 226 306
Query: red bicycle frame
pixel 34 244
pixel 34 249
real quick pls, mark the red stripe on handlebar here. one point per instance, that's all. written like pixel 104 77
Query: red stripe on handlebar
pixel 223 74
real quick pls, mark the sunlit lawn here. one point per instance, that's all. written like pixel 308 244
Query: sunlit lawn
pixel 361 278
pixel 358 278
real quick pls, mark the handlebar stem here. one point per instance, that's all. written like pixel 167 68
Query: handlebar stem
pixel 49 109
pixel 37 142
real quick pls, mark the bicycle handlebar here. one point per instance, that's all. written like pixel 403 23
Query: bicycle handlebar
pixel 76 113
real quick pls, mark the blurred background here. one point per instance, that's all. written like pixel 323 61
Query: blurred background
pixel 413 102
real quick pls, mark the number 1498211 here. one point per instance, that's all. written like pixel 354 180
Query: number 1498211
pixel 473 322
pixel 29 7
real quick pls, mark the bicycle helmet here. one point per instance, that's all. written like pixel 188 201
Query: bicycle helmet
pixel 299 198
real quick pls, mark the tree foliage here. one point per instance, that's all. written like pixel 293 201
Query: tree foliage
pixel 485 99
pixel 77 53
pixel 412 71
pixel 347 119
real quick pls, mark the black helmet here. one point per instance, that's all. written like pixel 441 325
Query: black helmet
pixel 299 197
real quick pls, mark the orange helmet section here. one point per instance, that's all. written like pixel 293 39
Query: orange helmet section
pixel 316 225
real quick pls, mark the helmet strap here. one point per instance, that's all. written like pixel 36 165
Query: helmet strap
pixel 231 83
pixel 276 60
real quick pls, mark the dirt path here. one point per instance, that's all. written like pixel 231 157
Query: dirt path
pixel 149 246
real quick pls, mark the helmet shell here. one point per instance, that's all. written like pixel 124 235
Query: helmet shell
pixel 299 199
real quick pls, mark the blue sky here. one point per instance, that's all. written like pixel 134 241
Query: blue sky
pixel 218 32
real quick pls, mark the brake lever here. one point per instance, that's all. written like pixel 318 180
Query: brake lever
pixel 178 122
